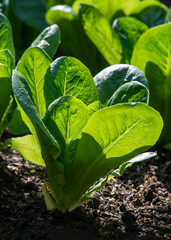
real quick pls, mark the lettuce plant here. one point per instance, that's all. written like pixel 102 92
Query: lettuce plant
pixel 77 139
pixel 152 54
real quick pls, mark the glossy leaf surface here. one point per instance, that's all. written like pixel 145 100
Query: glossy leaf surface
pixel 33 66
pixel 68 76
pixel 113 77
pixel 130 92
pixel 48 40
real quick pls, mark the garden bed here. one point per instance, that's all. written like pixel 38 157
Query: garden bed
pixel 135 206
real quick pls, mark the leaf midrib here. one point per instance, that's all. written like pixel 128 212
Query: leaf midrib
pixel 36 83
pixel 108 148
pixel 105 150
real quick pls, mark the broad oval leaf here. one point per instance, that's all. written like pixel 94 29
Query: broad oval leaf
pixel 129 30
pixel 112 136
pixel 152 54
pixel 48 40
pixel 68 76
pixel 130 92
pixel 33 66
pixel 6 39
pixel 99 31
pixel 152 13
pixel 113 77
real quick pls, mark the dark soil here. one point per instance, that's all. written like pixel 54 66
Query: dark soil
pixel 136 206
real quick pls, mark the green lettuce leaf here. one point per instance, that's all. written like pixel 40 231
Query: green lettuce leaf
pixel 99 31
pixel 33 66
pixel 68 76
pixel 48 40
pixel 152 13
pixel 46 144
pixel 129 30
pixel 109 80
pixel 152 54
pixel 112 136
pixel 109 7
pixel 6 35
pixel 130 92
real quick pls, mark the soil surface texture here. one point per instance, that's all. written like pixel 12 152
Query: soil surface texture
pixel 136 206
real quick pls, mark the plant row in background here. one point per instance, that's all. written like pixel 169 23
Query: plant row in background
pixel 116 39
pixel 31 16
pixel 81 127
pixel 111 26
